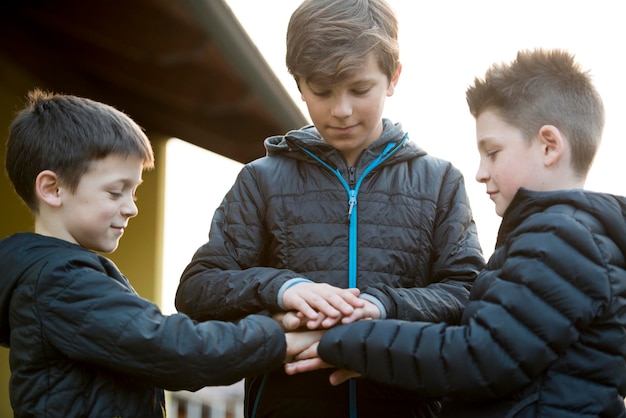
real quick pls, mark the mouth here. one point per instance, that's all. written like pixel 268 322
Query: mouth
pixel 343 130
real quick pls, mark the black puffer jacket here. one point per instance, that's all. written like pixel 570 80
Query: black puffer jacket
pixel 544 334
pixel 84 344
pixel 287 217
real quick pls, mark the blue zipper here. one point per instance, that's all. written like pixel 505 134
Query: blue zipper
pixel 389 150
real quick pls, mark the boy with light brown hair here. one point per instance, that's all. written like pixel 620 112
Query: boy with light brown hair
pixel 343 220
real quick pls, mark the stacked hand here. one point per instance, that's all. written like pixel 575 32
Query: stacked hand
pixel 315 307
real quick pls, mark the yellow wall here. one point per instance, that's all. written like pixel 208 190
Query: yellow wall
pixel 139 254
pixel 13 215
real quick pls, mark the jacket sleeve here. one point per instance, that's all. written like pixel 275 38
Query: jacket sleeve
pixel 95 319
pixel 456 261
pixel 223 279
pixel 552 285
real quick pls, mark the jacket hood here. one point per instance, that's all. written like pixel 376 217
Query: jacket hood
pixel 308 137
pixel 609 210
pixel 18 253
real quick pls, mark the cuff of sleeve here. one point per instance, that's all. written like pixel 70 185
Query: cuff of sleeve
pixel 375 301
pixel 287 285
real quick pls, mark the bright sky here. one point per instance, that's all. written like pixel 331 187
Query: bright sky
pixel 443 46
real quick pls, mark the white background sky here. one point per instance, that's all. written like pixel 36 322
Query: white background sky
pixel 443 46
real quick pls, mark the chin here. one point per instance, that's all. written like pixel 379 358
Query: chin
pixel 107 249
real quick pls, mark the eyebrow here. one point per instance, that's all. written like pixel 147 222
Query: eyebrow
pixel 127 182
pixel 484 142
pixel 361 81
pixel 348 83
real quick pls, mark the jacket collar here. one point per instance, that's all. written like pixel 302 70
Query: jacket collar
pixel 309 138
pixel 609 210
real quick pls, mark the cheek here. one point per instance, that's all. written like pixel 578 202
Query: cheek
pixel 314 110
pixel 505 166
pixel 371 110
pixel 106 210
pixel 500 175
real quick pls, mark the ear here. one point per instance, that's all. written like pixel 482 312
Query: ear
pixel 394 81
pixel 298 84
pixel 47 188
pixel 553 144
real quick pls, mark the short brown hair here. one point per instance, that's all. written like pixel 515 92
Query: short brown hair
pixel 544 87
pixel 328 40
pixel 66 134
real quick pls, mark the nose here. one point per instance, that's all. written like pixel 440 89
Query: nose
pixel 129 209
pixel 482 175
pixel 341 107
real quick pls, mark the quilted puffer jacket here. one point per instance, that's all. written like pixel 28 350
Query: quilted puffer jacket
pixel 544 334
pixel 289 215
pixel 82 343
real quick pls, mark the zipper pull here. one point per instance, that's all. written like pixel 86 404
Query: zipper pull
pixel 351 202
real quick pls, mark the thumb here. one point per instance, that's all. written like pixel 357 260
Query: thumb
pixel 291 322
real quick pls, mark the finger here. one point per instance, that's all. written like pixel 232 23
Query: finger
pixel 330 322
pixel 331 305
pixel 298 299
pixel 369 311
pixel 317 323
pixel 291 322
pixel 306 309
pixel 312 299
pixel 307 365
pixel 357 315
pixel 331 300
pixel 347 301
pixel 309 353
pixel 297 342
pixel 354 290
pixel 341 375
pixel 278 316
pixel 327 307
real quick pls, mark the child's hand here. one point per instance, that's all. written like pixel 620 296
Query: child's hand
pixel 300 359
pixel 369 311
pixel 313 299
pixel 306 365
pixel 302 356
pixel 302 345
pixel 341 375
pixel 290 321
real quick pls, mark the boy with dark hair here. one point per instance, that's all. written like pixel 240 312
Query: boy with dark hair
pixel 286 238
pixel 544 333
pixel 82 342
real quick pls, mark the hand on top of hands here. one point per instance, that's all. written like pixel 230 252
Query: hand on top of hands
pixel 293 320
pixel 320 305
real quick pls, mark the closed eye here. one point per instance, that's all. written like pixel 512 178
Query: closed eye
pixel 321 93
pixel 492 154
pixel 361 92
